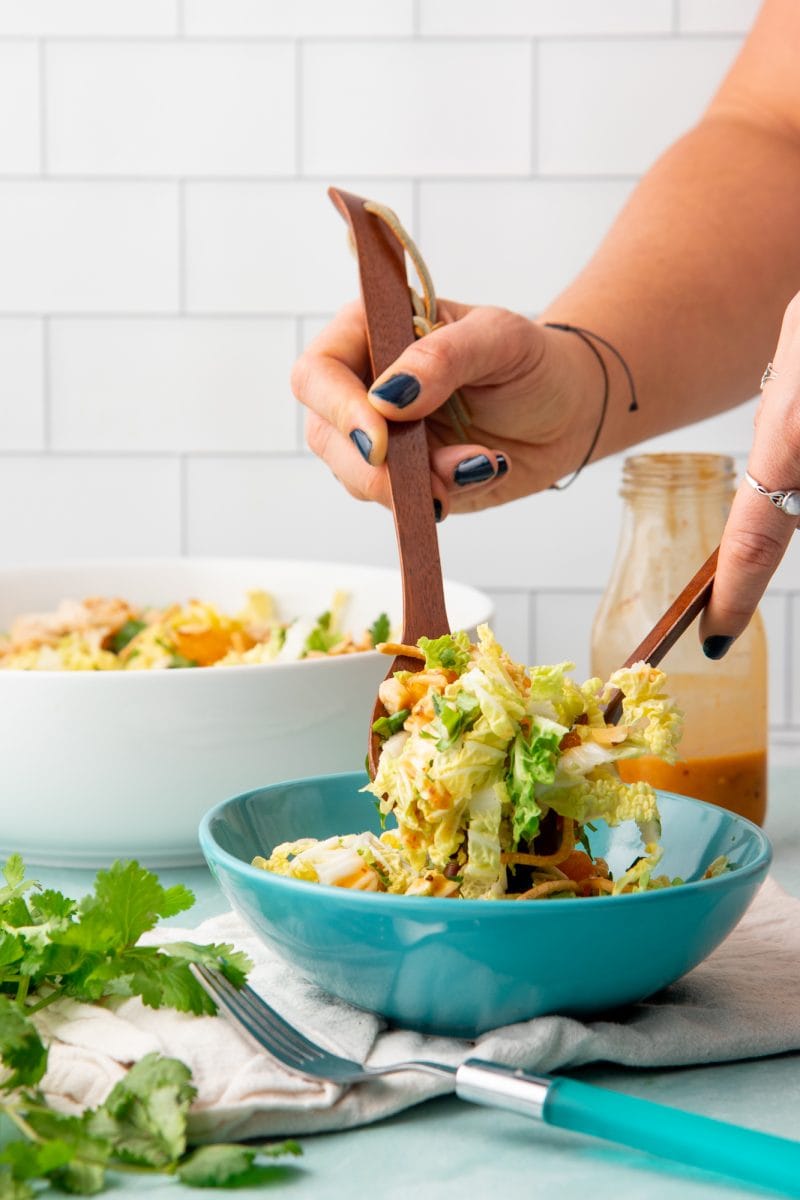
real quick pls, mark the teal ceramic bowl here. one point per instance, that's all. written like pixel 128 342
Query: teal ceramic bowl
pixel 460 967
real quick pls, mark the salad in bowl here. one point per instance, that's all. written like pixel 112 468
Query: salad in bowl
pixel 495 773
pixel 109 633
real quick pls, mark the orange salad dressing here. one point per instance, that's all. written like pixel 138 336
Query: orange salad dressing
pixel 737 782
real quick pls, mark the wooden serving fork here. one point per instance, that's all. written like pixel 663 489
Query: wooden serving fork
pixel 666 631
pixel 390 329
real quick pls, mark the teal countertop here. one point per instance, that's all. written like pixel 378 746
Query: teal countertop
pixel 447 1149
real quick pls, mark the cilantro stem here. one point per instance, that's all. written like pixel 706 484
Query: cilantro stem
pixel 40 1004
pixel 15 1116
pixel 22 989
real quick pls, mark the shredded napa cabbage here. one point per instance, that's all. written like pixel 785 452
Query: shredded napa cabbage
pixel 483 757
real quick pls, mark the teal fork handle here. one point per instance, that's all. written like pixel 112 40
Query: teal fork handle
pixel 731 1150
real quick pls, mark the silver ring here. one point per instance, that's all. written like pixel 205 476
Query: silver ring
pixel 769 373
pixel 786 500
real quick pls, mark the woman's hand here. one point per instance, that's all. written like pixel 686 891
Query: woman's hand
pixel 533 397
pixel 757 533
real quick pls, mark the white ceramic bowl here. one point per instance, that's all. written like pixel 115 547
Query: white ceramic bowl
pixel 102 764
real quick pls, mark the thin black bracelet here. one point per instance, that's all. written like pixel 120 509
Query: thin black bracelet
pixel 585 335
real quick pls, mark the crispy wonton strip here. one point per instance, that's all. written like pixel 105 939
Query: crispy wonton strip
pixel 599 884
pixel 549 889
pixel 546 860
pixel 399 649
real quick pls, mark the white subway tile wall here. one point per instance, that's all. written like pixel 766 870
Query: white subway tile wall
pixel 501 243
pixel 414 107
pixel 167 248
pixel 22 384
pixel 610 107
pixel 170 108
pixel 160 384
pixel 19 108
pixel 272 247
pixel 74 246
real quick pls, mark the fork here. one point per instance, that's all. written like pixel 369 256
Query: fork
pixel 697 1141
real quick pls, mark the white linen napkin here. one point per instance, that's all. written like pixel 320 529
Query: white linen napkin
pixel 742 1002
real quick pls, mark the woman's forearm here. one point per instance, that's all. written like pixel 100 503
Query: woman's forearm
pixel 693 278
pixel 691 282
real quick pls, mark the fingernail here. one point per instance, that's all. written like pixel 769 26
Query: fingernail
pixel 400 390
pixel 502 465
pixel 473 470
pixel 717 646
pixel 362 442
pixel 437 510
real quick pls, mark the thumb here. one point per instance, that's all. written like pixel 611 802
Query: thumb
pixel 488 345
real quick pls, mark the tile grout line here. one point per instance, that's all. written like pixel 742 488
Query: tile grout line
pixel 167 315
pixel 298 108
pixel 47 405
pixel 455 179
pixel 535 108
pixel 183 503
pixel 116 453
pixel 182 257
pixel 42 101
pixel 338 39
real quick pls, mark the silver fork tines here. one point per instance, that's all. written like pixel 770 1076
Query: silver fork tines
pixel 288 1045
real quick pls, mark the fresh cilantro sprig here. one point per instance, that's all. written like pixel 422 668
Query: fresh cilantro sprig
pixel 379 629
pixel 52 947
pixel 323 636
pixel 140 1128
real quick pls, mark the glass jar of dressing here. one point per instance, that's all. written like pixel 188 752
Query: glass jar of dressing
pixel 674 514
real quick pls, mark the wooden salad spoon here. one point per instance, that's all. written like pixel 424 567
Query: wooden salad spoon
pixel 665 633
pixel 390 329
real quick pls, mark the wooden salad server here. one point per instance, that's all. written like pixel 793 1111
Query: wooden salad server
pixel 665 633
pixel 390 329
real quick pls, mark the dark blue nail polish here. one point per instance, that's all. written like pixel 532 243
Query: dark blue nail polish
pixel 400 390
pixel 437 510
pixel 362 442
pixel 717 646
pixel 502 465
pixel 473 470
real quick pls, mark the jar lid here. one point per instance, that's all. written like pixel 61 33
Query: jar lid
pixel 678 472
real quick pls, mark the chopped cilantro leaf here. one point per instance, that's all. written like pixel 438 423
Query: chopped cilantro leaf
pixel 451 720
pixel 125 634
pixel 386 726
pixel 180 660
